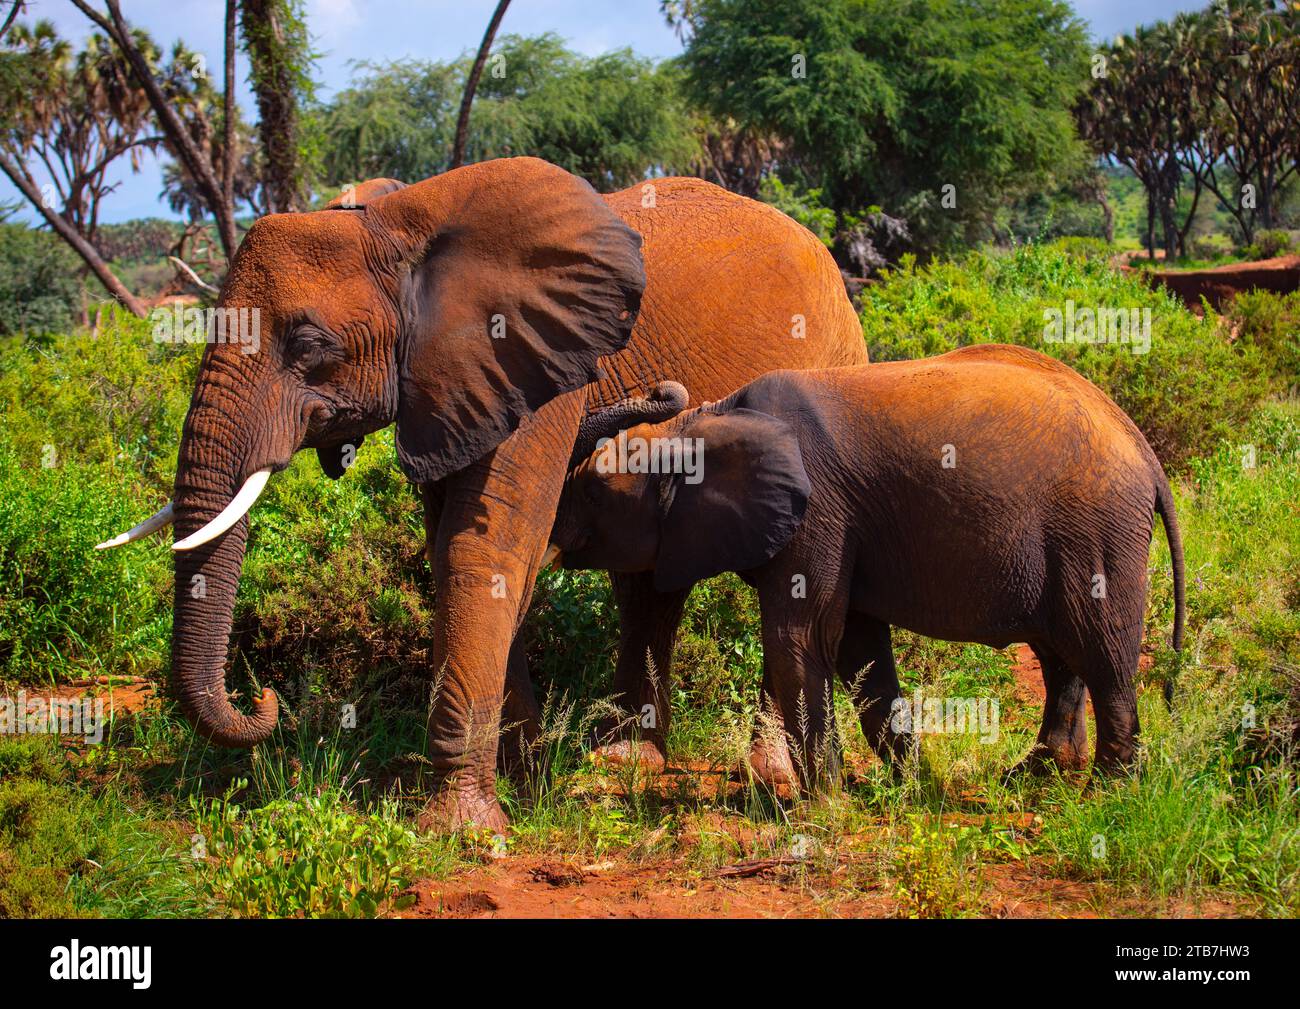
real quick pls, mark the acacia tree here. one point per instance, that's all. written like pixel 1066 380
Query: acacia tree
pixel 1143 112
pixel 1245 57
pixel 75 115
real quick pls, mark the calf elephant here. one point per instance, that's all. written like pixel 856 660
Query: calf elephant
pixel 485 311
pixel 988 495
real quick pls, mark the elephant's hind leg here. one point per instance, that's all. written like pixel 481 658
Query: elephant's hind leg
pixel 1110 671
pixel 799 662
pixel 1063 737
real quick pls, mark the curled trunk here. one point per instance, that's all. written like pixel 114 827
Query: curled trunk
pixel 666 400
pixel 209 472
pixel 206 581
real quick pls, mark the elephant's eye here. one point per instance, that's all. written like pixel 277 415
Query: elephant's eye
pixel 310 349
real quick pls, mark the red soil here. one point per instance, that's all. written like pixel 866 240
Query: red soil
pixel 1222 283
pixel 538 887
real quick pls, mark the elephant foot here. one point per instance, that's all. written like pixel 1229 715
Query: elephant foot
pixel 1107 770
pixel 897 750
pixel 770 763
pixel 647 756
pixel 451 807
pixel 1043 761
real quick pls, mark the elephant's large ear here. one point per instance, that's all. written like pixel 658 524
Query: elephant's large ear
pixel 746 507
pixel 520 277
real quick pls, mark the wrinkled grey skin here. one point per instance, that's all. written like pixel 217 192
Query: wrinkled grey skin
pixel 832 494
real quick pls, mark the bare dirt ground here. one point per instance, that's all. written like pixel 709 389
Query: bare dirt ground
pixel 539 887
pixel 1222 283
pixel 121 695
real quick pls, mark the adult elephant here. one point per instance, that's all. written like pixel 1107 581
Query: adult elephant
pixel 472 309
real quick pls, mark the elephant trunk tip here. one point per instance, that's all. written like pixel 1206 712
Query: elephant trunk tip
pixel 671 394
pixel 239 731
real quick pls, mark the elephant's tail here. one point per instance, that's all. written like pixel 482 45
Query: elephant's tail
pixel 1165 508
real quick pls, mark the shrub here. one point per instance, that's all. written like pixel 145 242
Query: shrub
pixel 805 206
pixel 87 447
pixel 38 281
pixel 1270 323
pixel 307 856
pixel 1268 245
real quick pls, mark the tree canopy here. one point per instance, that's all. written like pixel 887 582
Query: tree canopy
pixel 611 119
pixel 886 103
pixel 1209 100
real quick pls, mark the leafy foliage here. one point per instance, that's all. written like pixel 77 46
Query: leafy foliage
pixel 611 119
pixel 38 284
pixel 1208 100
pixel 302 857
pixel 1189 391
pixel 885 104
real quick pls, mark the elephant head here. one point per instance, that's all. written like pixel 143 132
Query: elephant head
pixel 715 489
pixel 455 307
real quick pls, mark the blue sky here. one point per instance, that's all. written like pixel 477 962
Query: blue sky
pixel 352 30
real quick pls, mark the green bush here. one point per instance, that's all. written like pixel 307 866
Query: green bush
pixel 1268 245
pixel 805 206
pixel 1192 389
pixel 87 448
pixel 64 608
pixel 38 281
pixel 1270 323
pixel 308 856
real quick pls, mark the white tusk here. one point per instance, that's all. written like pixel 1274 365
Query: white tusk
pixel 231 514
pixel 158 520
pixel 552 554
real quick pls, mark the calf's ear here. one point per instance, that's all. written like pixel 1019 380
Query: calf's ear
pixel 746 506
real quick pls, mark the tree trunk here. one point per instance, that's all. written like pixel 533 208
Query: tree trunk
pixel 179 141
pixel 1266 198
pixel 471 85
pixel 1107 215
pixel 228 112
pixel 277 103
pixel 1169 228
pixel 1151 226
pixel 88 253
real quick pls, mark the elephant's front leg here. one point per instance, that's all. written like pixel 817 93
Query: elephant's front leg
pixel 492 534
pixel 647 633
pixel 521 718
pixel 801 639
